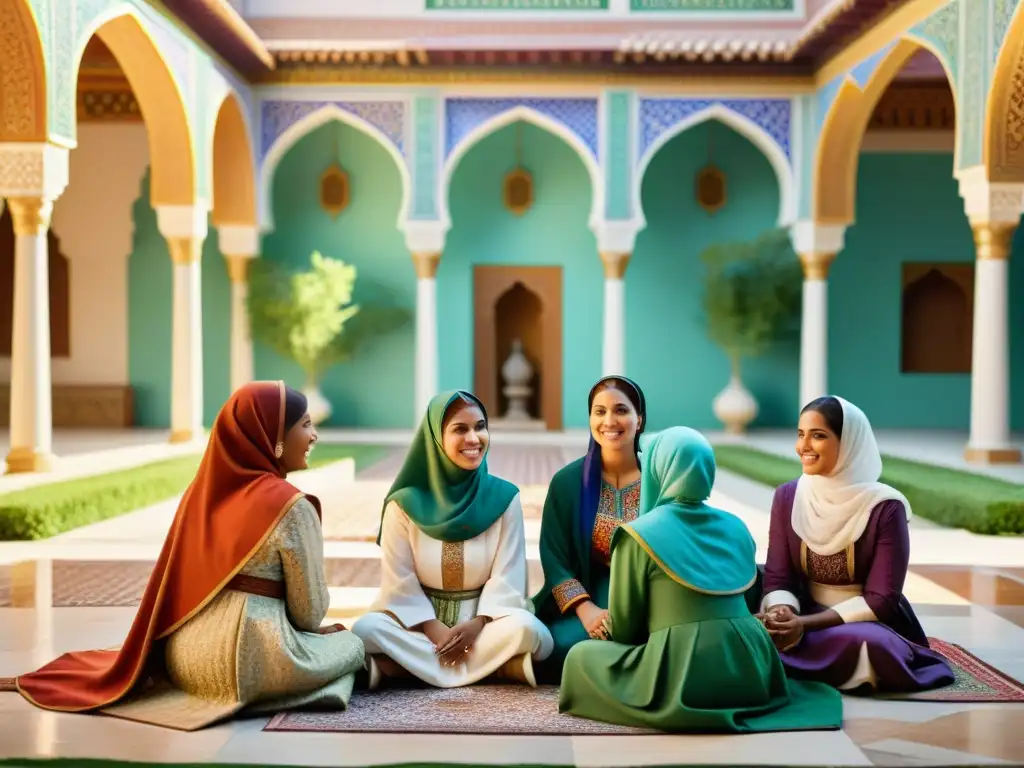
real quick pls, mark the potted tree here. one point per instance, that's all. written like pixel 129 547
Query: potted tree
pixel 752 296
pixel 300 315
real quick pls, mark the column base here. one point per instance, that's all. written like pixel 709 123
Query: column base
pixel 992 455
pixel 22 460
pixel 184 436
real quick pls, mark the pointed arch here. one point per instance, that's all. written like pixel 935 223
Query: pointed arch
pixel 161 102
pixel 289 138
pixel 746 128
pixel 1002 144
pixel 234 166
pixel 838 152
pixel 545 123
pixel 23 113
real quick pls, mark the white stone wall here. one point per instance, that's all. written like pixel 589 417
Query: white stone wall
pixel 93 220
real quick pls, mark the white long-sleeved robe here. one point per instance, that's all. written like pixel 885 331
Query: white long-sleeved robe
pixel 493 562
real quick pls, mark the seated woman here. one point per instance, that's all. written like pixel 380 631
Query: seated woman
pixel 452 607
pixel 685 652
pixel 586 501
pixel 838 552
pixel 231 616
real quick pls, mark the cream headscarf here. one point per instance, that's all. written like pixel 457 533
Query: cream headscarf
pixel 830 513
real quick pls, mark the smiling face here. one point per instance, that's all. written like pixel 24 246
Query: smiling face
pixel 298 443
pixel 817 445
pixel 465 435
pixel 613 420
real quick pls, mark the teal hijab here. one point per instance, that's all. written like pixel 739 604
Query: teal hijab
pixel 703 548
pixel 444 501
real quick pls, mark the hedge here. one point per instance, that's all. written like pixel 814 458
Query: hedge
pixel 48 510
pixel 950 497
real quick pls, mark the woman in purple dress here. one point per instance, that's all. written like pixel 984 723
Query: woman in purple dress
pixel 838 552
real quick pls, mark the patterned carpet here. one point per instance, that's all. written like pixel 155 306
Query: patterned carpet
pixel 481 709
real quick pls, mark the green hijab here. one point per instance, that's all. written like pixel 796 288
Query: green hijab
pixel 447 502
pixel 699 546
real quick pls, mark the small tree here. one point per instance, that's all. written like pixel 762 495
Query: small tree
pixel 301 315
pixel 752 294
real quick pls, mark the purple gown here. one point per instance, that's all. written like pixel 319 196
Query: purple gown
pixel 896 644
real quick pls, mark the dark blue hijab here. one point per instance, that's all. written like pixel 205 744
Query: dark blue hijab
pixel 591 489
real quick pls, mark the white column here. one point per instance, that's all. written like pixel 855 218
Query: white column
pixel 816 245
pixel 32 176
pixel 240 244
pixel 426 328
pixel 994 211
pixel 614 346
pixel 184 228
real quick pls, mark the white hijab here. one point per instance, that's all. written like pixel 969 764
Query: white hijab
pixel 830 513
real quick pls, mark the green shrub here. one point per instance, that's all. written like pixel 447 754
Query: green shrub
pixel 951 497
pixel 48 510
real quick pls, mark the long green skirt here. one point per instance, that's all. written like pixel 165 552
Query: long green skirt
pixel 711 667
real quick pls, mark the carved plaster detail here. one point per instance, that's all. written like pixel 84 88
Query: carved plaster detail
pixel 33 170
pixel 987 202
pixel 22 92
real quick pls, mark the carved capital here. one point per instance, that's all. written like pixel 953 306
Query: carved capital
pixel 31 215
pixel 426 264
pixel 816 264
pixel 615 263
pixel 993 242
pixel 238 240
pixel 238 268
pixel 987 202
pixel 33 170
pixel 185 250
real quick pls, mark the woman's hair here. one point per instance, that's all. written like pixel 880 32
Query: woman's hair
pixel 621 385
pixel 831 410
pixel 458 403
pixel 295 407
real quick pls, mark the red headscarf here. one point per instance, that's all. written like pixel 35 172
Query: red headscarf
pixel 236 500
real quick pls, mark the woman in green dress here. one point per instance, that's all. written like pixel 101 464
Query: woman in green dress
pixel 587 500
pixel 685 653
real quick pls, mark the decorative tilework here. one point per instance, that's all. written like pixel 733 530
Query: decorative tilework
pixel 659 116
pixel 806 149
pixel 942 30
pixel 278 116
pixel 743 6
pixel 203 127
pixel 63 72
pixel 1002 11
pixel 43 13
pixel 426 163
pixel 973 88
pixel 463 116
pixel 618 166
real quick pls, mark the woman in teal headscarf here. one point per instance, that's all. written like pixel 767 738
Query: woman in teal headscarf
pixel 685 652
pixel 452 607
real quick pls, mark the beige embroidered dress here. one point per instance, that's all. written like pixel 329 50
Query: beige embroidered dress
pixel 245 651
pixel 423 578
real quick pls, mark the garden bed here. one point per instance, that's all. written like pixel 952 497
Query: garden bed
pixel 950 497
pixel 43 511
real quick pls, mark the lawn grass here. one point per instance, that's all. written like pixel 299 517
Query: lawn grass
pixel 48 510
pixel 951 497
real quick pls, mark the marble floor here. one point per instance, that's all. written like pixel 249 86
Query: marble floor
pixel 79 591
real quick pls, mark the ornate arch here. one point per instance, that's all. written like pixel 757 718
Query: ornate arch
pixel 307 124
pixel 746 127
pixel 529 115
pixel 234 166
pixel 838 152
pixel 1003 142
pixel 22 74
pixel 161 102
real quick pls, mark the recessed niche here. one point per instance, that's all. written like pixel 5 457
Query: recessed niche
pixel 937 318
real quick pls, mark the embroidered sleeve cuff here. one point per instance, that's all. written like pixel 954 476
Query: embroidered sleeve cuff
pixel 854 610
pixel 780 597
pixel 569 593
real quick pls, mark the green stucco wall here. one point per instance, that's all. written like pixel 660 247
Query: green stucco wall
pixel 908 209
pixel 667 350
pixel 149 321
pixel 377 388
pixel 553 232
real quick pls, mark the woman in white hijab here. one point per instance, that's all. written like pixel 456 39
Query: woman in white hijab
pixel 838 552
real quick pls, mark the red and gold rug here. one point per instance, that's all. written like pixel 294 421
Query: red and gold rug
pixel 975 680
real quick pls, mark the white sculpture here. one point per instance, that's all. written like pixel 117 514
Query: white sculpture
pixel 517 373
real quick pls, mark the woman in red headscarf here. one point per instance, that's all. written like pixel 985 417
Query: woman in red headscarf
pixel 231 616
